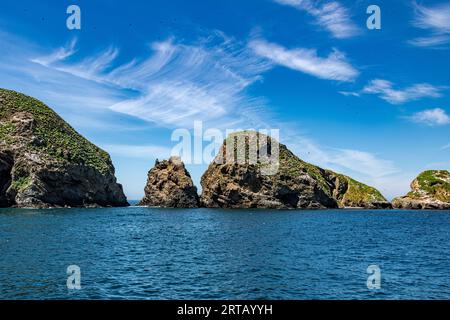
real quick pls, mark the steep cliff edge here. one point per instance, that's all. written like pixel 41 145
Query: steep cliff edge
pixel 430 190
pixel 45 163
pixel 169 185
pixel 296 184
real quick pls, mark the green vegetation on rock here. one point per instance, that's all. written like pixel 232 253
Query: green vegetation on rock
pixel 430 190
pixel 6 129
pixel 296 183
pixel 434 183
pixel 45 163
pixel 57 139
pixel 21 183
pixel 358 192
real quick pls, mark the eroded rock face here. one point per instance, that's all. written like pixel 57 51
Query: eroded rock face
pixel 296 184
pixel 430 191
pixel 6 164
pixel 169 185
pixel 45 163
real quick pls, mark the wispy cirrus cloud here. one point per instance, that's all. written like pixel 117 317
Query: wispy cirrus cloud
pixel 431 41
pixel 90 68
pixel 331 15
pixel 385 90
pixel 431 117
pixel 179 82
pixel 25 67
pixel 333 67
pixel 58 55
pixel 436 20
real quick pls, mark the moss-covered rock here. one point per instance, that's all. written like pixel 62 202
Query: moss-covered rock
pixel 294 183
pixel 44 162
pixel 430 190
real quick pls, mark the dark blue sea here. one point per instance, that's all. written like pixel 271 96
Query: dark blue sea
pixel 142 253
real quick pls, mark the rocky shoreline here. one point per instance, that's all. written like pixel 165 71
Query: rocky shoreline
pixel 45 163
pixel 429 191
pixel 296 185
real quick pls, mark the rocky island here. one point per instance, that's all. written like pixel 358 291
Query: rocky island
pixel 45 163
pixel 296 184
pixel 430 191
pixel 169 185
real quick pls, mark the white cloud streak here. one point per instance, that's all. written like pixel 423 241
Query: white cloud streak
pixel 59 55
pixel 385 90
pixel 333 67
pixel 178 82
pixel 431 41
pixel 331 15
pixel 436 20
pixel 431 117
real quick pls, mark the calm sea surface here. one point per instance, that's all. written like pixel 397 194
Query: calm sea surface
pixel 142 253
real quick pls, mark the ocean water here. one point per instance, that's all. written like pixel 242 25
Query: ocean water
pixel 143 253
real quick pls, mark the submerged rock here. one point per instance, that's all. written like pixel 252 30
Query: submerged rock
pixel 430 191
pixel 45 163
pixel 295 183
pixel 170 185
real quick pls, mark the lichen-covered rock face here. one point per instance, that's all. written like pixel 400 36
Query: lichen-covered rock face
pixel 169 185
pixel 430 191
pixel 296 184
pixel 45 163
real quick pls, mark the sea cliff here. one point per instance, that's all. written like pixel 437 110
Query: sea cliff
pixel 45 163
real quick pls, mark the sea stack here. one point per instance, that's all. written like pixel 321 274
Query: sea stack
pixel 430 191
pixel 45 163
pixel 169 185
pixel 295 183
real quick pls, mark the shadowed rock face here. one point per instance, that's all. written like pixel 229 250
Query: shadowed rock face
pixel 170 185
pixel 6 164
pixel 430 191
pixel 296 184
pixel 45 163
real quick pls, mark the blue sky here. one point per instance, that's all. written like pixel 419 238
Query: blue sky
pixel 374 104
